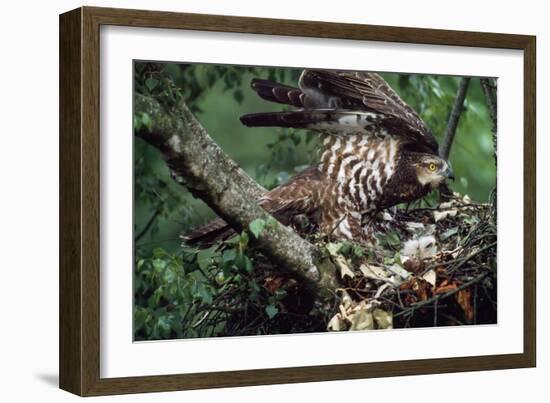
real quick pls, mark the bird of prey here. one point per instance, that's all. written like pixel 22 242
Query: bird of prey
pixel 377 152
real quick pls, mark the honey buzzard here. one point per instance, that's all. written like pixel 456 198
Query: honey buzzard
pixel 377 153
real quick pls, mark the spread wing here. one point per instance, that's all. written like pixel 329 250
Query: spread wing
pixel 343 103
pixel 298 196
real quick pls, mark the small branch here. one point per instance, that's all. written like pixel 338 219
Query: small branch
pixel 450 131
pixel 452 123
pixel 469 257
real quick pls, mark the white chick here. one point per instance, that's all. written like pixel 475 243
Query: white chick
pixel 420 248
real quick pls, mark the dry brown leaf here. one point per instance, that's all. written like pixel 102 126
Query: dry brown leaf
pixel 445 287
pixel 464 299
pixel 422 290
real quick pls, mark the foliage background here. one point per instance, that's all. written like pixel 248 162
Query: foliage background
pixel 170 280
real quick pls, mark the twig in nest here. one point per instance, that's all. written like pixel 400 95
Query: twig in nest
pixel 469 257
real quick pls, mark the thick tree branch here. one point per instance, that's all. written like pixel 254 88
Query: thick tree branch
pixel 452 123
pixel 199 164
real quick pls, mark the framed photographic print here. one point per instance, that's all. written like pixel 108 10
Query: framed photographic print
pixel 249 201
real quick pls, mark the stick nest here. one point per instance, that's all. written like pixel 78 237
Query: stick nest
pixel 421 268
pixel 424 267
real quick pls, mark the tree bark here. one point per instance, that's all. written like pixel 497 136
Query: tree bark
pixel 489 87
pixel 199 164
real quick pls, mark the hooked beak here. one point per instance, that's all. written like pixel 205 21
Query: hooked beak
pixel 449 173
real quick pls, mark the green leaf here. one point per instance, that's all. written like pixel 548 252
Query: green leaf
pixel 271 311
pixel 248 266
pixel 159 264
pixel 205 295
pixel 137 123
pixel 397 258
pixel 204 258
pixel 147 121
pixel 389 239
pixel 159 252
pixel 169 276
pixel 333 248
pixel 229 255
pixel 257 226
pixel 254 286
pixel 226 272
pixel 233 240
pixel 164 326
pixel 239 260
pixel 155 298
pixel 345 248
pixel 140 317
pixel 243 241
pixel 151 83
pixel 358 250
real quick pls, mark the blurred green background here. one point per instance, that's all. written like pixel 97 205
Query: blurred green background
pixel 219 95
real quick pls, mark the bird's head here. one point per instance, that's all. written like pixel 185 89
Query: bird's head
pixel 432 170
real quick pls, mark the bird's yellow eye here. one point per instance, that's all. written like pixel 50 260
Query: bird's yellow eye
pixel 432 167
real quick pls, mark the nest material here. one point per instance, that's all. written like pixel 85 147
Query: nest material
pixel 425 267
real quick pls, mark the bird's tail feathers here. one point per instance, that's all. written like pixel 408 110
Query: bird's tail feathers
pixel 333 121
pixel 279 93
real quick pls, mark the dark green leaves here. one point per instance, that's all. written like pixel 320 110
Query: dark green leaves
pixel 229 255
pixel 204 258
pixel 271 311
pixel 151 83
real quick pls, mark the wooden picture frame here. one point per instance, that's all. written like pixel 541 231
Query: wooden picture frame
pixel 80 184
